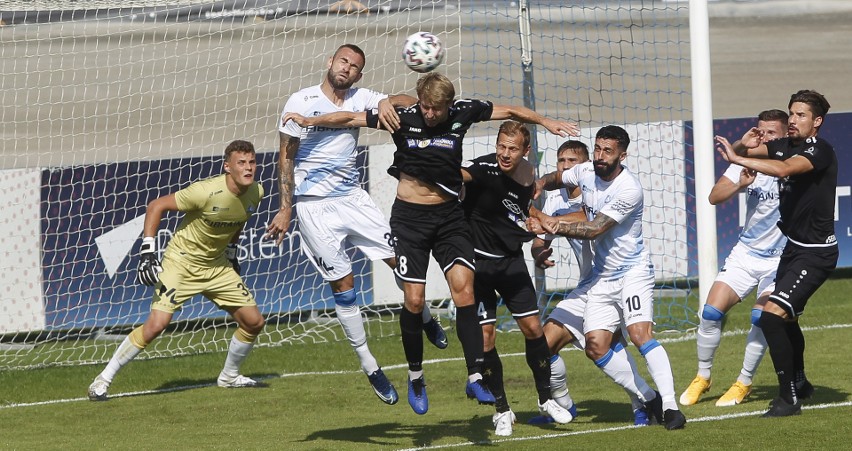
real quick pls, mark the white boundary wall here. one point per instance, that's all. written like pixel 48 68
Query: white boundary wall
pixel 21 306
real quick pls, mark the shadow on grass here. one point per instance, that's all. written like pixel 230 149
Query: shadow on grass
pixel 477 430
pixel 190 384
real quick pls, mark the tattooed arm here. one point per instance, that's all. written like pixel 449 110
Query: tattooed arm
pixel 587 230
pixel 277 228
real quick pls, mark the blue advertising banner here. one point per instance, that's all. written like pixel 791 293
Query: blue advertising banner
pixel 837 130
pixel 89 281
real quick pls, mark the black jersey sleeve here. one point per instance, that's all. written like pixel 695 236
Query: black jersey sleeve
pixel 475 168
pixel 373 118
pixel 819 153
pixel 480 110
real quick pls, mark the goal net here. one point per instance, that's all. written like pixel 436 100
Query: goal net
pixel 107 105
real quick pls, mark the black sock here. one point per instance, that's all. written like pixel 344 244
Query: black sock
pixel 797 340
pixel 781 350
pixel 492 369
pixel 469 332
pixel 411 326
pixel 538 359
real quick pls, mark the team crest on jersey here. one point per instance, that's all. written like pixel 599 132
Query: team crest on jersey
pixel 455 126
pixel 251 209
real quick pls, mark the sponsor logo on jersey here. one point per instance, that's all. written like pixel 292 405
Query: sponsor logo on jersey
pixel 811 140
pixel 223 223
pixel 455 126
pixel 251 209
pixel 810 151
pixel 761 195
pixel 511 206
pixel 414 129
pixel 831 239
pixel 216 208
pixel 443 142
pixel 622 207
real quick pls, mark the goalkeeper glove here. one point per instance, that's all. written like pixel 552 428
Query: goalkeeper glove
pixel 231 255
pixel 148 272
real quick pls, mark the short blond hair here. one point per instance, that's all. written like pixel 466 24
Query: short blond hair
pixel 435 88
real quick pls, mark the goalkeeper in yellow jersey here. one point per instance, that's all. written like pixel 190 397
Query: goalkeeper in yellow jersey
pixel 200 259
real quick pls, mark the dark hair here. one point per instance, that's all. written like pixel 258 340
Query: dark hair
pixel 773 116
pixel 819 106
pixel 355 49
pixel 513 128
pixel 238 146
pixel 577 146
pixel 615 133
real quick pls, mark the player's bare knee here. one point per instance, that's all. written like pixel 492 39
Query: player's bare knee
pixel 595 347
pixel 530 327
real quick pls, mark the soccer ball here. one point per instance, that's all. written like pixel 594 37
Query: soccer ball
pixel 422 52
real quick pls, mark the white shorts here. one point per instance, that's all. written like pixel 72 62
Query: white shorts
pixel 628 299
pixel 744 271
pixel 327 224
pixel 569 313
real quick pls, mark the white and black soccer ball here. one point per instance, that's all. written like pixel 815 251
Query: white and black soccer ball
pixel 422 52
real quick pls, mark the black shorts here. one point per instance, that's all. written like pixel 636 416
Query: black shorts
pixel 801 271
pixel 420 229
pixel 510 278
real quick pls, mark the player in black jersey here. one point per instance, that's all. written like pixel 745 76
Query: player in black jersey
pixel 427 216
pixel 807 168
pixel 497 197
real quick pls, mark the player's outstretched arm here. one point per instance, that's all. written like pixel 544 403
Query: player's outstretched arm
pixel 526 115
pixel 340 119
pixel 287 148
pixel 775 168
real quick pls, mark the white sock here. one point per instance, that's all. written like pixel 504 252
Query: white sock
pixel 559 382
pixel 754 351
pixel 661 371
pixel 414 374
pixel 644 389
pixel 708 339
pixel 617 367
pixel 237 353
pixel 353 327
pixel 123 355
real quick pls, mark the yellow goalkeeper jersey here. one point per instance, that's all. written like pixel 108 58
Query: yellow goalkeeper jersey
pixel 213 215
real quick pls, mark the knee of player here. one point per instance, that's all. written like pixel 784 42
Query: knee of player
pixel 596 348
pixel 710 313
pixel 755 316
pixel 530 326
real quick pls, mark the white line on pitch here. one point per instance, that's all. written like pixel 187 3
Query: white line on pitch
pixel 686 337
pixel 618 428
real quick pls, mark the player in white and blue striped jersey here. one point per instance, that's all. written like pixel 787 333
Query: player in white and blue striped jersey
pixel 751 264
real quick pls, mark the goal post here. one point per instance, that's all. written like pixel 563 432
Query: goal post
pixel 107 105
